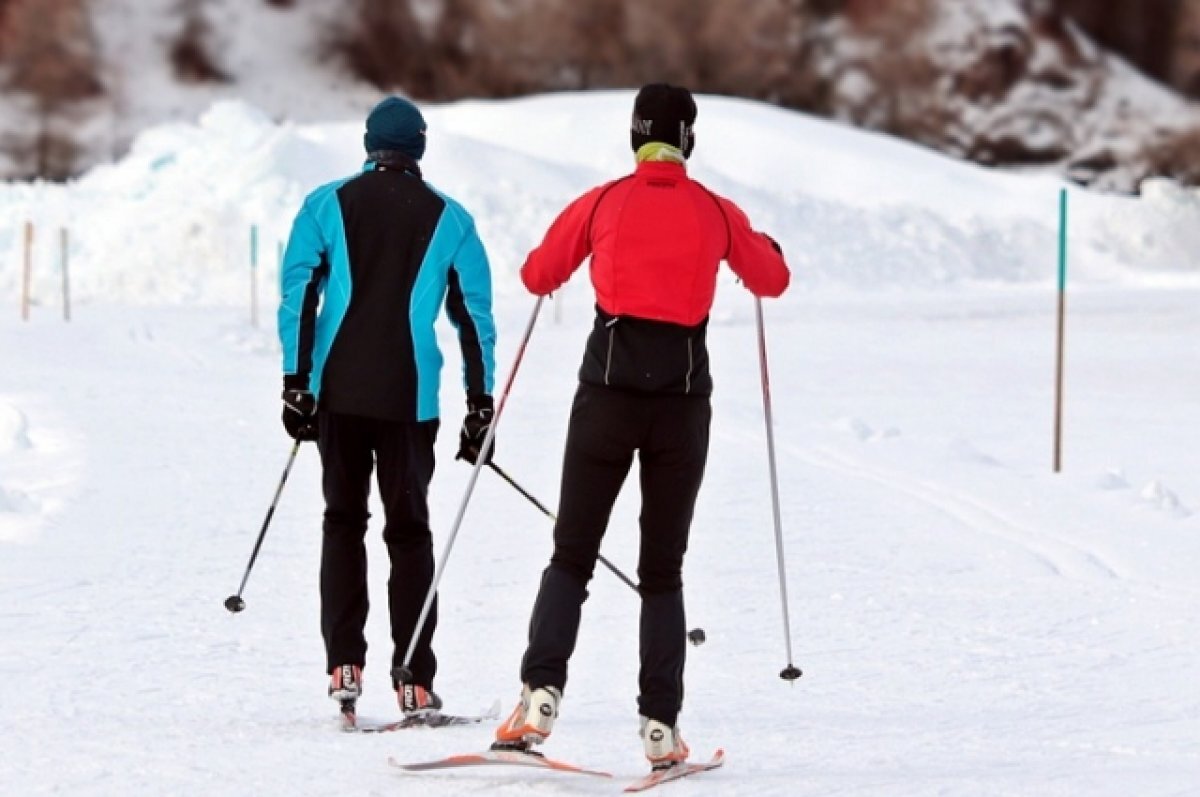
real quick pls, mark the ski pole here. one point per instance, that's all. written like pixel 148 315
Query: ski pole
pixel 234 603
pixel 696 636
pixel 403 673
pixel 791 672
pixel 615 571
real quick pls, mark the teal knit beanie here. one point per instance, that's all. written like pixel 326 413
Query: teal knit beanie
pixel 396 124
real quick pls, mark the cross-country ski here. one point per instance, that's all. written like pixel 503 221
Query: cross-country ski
pixel 675 772
pixel 511 758
pixel 352 723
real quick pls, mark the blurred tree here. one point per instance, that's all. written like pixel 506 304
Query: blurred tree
pixel 597 29
pixel 1143 31
pixel 1185 60
pixel 541 45
pixel 771 59
pixel 747 48
pixel 474 48
pixel 1176 157
pixel 890 82
pixel 50 52
pixel 382 43
pixel 191 50
pixel 455 44
pixel 5 7
pixel 665 42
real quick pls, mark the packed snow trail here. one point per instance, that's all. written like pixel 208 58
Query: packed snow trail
pixel 964 619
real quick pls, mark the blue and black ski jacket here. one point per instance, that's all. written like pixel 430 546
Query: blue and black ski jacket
pixel 369 263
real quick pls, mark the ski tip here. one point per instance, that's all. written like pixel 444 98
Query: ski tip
pixel 401 766
pixel 497 757
pixel 677 771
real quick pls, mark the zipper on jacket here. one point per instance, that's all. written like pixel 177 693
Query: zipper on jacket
pixel 687 378
pixel 608 357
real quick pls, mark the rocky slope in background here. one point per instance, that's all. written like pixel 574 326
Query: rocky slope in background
pixel 1000 82
pixel 1003 83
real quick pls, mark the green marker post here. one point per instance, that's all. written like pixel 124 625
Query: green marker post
pixel 1062 314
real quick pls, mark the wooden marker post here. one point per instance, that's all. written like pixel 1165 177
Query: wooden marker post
pixel 65 255
pixel 27 271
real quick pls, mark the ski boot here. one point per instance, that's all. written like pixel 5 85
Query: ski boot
pixel 417 701
pixel 345 686
pixel 664 746
pixel 531 721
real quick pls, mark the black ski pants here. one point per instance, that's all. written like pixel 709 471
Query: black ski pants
pixel 402 456
pixel 669 434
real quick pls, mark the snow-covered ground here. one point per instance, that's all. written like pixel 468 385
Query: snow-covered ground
pixel 968 621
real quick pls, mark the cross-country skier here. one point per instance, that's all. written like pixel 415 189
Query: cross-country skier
pixel 369 263
pixel 656 238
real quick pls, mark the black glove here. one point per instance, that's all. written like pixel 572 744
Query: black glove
pixel 300 414
pixel 475 427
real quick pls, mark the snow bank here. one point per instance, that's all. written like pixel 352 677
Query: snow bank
pixel 171 222
pixel 13 429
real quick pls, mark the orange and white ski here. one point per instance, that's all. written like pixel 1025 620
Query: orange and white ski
pixel 498 757
pixel 676 771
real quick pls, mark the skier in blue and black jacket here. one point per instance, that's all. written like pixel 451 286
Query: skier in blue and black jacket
pixel 369 263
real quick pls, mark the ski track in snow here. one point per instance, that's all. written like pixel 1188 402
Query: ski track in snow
pixel 1058 556
pixel 942 632
pixel 134 603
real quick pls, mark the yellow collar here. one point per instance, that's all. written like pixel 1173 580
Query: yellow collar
pixel 658 151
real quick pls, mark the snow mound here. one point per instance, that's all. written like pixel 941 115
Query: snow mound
pixel 14 429
pixel 174 221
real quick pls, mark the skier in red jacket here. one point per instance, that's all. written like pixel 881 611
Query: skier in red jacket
pixel 655 238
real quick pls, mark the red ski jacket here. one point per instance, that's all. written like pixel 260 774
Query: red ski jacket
pixel 656 238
